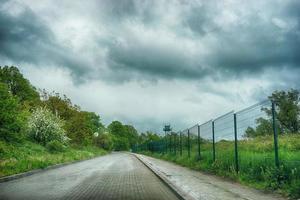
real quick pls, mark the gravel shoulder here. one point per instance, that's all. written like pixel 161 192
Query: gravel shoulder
pixel 196 185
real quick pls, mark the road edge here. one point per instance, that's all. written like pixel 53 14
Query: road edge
pixel 178 192
pixel 35 171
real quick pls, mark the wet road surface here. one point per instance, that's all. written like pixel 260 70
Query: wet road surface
pixel 114 176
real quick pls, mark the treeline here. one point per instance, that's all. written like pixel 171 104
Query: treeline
pixel 287 104
pixel 52 120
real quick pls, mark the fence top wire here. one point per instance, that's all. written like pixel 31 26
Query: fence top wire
pixel 196 125
pixel 206 130
pixel 210 121
pixel 264 102
pixel 224 116
pixel 185 131
pixel 194 130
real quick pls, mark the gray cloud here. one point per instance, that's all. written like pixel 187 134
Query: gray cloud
pixel 25 38
pixel 207 55
pixel 248 43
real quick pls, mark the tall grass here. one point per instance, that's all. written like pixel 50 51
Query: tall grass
pixel 22 157
pixel 256 162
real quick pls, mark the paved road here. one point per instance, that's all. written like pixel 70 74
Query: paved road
pixel 114 176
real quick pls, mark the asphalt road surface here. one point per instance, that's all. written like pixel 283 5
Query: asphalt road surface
pixel 114 176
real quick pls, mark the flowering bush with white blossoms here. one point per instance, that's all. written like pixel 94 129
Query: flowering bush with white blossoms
pixel 44 127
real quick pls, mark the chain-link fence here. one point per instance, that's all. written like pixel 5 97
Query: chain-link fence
pixel 252 142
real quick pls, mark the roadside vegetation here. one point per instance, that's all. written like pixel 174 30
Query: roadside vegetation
pixel 255 152
pixel 21 157
pixel 39 129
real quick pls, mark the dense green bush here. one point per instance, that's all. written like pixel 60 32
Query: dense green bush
pixel 19 86
pixel 120 144
pixel 45 127
pixel 55 146
pixel 125 136
pixel 104 141
pixel 10 118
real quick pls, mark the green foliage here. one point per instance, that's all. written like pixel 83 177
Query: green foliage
pixel 149 137
pixel 78 129
pixel 55 146
pixel 265 127
pixel 79 125
pixel 18 85
pixel 22 157
pixel 256 160
pixel 50 121
pixel 287 115
pixel 131 134
pixel 120 144
pixel 10 119
pixel 94 120
pixel 44 127
pixel 104 141
pixel 116 128
pixel 288 112
pixel 124 136
pixel 61 106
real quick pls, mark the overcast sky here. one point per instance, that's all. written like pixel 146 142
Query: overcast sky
pixel 150 62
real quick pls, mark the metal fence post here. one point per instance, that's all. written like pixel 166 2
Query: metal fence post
pixel 275 135
pixel 180 143
pixel 175 144
pixel 189 144
pixel 236 156
pixel 199 142
pixel 170 143
pixel 165 144
pixel 213 135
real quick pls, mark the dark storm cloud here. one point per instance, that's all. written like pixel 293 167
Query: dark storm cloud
pixel 250 45
pixel 154 60
pixel 253 47
pixel 25 38
pixel 199 18
pixel 227 42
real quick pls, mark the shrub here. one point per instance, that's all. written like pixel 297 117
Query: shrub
pixel 120 144
pixel 45 127
pixel 104 141
pixel 55 146
pixel 10 119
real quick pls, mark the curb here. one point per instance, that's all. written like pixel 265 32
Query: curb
pixel 35 171
pixel 179 193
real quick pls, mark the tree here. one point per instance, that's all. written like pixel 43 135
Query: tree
pixel 10 120
pixel 61 106
pixel 116 128
pixel 131 134
pixel 264 128
pixel 80 125
pixel 18 85
pixel 45 127
pixel 94 121
pixel 104 141
pixel 120 143
pixel 287 115
pixel 288 111
pixel 124 136
pixel 78 129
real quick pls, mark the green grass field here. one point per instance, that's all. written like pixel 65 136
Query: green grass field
pixel 26 156
pixel 256 162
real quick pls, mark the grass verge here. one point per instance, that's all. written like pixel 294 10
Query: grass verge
pixel 21 157
pixel 256 162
